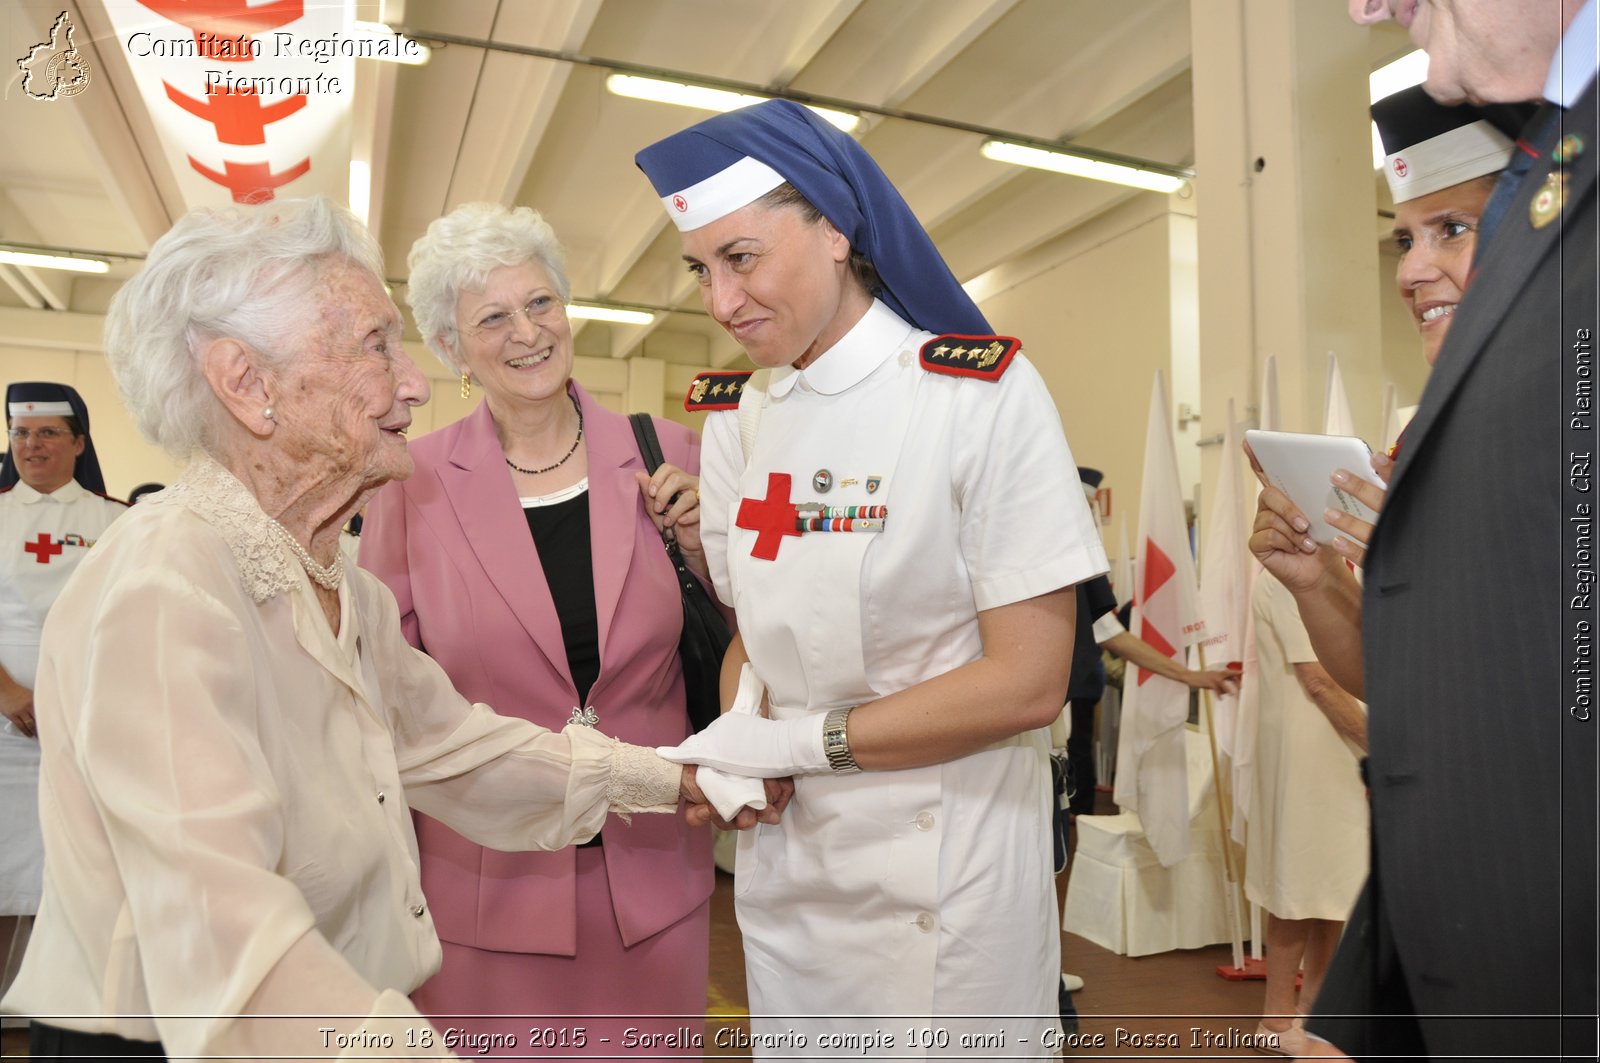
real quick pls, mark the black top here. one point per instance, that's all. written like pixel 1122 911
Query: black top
pixel 561 534
pixel 1095 599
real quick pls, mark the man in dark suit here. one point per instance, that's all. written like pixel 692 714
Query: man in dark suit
pixel 1476 933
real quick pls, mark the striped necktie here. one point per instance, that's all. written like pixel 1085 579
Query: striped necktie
pixel 1531 146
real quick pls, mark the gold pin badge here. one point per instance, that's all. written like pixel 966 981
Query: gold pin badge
pixel 1548 201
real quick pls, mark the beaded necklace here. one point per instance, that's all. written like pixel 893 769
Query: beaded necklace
pixel 550 468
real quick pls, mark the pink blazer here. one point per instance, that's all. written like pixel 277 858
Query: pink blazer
pixel 453 545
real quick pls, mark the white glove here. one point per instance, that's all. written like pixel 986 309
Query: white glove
pixel 742 743
pixel 729 793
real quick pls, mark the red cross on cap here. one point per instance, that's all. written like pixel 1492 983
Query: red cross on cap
pixel 1400 166
pixel 681 203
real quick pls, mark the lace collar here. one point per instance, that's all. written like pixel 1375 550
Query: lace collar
pixel 216 496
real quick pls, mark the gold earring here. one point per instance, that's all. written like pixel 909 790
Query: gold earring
pixel 466 385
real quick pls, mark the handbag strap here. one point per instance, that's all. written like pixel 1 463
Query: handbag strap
pixel 644 430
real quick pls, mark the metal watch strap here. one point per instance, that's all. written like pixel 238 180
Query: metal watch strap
pixel 836 743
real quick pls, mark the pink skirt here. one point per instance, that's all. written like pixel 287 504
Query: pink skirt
pixel 607 1001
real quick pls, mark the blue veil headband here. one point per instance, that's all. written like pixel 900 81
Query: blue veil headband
pixel 52 400
pixel 712 169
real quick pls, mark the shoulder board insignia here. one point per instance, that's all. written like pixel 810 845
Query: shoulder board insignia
pixel 715 391
pixel 985 357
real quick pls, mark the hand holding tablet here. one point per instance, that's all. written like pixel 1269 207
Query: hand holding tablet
pixel 1302 467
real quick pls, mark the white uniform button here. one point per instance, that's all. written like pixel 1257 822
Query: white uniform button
pixel 417 910
pixel 924 821
pixel 905 359
pixel 925 922
pixel 380 797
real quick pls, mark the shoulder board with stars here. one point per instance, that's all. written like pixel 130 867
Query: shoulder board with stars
pixel 985 357
pixel 715 391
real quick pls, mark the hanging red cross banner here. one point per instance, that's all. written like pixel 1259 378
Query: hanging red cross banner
pixel 251 100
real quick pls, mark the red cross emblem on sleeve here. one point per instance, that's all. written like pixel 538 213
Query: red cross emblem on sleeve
pixel 43 550
pixel 771 518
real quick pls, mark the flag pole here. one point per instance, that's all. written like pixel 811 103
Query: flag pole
pixel 1224 817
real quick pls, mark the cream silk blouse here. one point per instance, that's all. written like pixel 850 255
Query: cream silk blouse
pixel 226 790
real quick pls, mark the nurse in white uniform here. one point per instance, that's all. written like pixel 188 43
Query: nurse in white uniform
pixel 895 517
pixel 52 509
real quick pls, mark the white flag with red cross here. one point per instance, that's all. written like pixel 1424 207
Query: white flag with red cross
pixel 1152 758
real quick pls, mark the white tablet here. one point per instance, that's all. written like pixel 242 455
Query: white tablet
pixel 1302 466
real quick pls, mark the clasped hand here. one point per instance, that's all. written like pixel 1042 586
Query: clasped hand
pixel 747 761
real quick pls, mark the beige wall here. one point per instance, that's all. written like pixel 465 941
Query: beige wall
pixel 1094 312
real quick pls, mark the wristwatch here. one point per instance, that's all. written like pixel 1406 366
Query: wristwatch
pixel 836 742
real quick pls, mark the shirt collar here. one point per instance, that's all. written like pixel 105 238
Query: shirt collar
pixel 1575 60
pixel 216 496
pixel 868 344
pixel 70 491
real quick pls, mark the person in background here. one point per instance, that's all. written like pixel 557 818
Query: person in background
pixel 911 662
pixel 53 508
pixel 1441 166
pixel 1307 829
pixel 525 556
pixel 234 729
pixel 1476 932
pixel 1098 628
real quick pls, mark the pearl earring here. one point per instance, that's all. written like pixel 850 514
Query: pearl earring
pixel 269 414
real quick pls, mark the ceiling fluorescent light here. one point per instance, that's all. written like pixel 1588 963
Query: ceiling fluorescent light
pixel 613 314
pixel 76 265
pixel 708 99
pixel 1080 166
pixel 1410 69
pixel 385 44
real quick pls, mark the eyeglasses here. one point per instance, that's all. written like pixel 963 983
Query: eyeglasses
pixel 49 434
pixel 539 309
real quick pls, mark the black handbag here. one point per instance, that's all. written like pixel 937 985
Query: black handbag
pixel 705 633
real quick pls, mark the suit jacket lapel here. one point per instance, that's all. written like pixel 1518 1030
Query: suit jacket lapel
pixel 614 501
pixel 485 502
pixel 1507 267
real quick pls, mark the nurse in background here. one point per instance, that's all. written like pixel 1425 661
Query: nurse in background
pixel 912 655
pixel 52 509
pixel 1441 165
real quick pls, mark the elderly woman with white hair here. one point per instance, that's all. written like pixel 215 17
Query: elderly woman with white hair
pixel 233 727
pixel 526 559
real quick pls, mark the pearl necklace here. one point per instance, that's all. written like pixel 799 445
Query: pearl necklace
pixel 328 576
pixel 569 453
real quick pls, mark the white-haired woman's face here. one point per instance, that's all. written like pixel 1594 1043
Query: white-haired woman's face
pixel 345 404
pixel 514 337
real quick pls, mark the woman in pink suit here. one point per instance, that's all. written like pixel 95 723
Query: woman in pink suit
pixel 526 558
